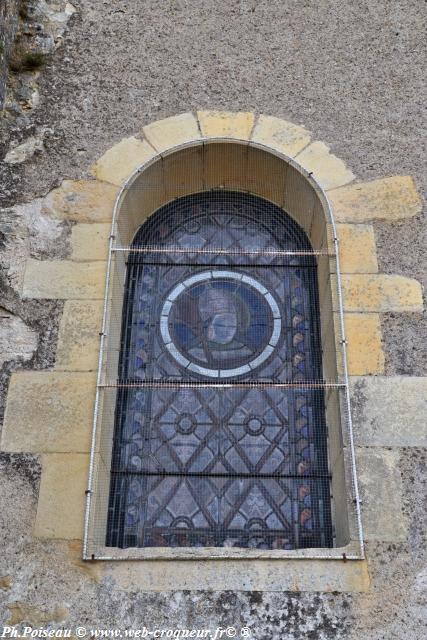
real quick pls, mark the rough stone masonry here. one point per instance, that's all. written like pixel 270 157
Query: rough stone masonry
pixel 350 73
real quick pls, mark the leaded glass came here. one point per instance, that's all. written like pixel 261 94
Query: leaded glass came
pixel 220 435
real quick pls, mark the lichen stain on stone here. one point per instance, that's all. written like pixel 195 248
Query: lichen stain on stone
pixel 358 401
pixel 269 616
pixel 6 582
pixel 294 616
pixel 23 612
pixel 25 465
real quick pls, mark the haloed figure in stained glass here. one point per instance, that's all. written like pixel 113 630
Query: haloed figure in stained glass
pixel 221 323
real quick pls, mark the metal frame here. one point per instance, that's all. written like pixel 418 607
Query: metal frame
pixel 244 553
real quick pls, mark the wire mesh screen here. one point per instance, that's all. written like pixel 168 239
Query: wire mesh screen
pixel 215 377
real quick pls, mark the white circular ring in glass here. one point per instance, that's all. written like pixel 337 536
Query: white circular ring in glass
pixel 220 373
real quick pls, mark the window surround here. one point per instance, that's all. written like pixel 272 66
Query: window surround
pixel 221 159
pixel 49 413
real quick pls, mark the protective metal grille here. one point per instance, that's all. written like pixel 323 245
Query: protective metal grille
pixel 220 432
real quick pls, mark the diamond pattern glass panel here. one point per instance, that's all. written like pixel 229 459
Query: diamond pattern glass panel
pixel 220 435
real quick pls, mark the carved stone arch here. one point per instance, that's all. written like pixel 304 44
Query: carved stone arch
pixel 183 155
pixel 50 413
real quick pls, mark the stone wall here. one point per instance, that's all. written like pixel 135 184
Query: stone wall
pixel 8 26
pixel 353 75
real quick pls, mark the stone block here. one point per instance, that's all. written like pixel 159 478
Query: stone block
pixel 242 575
pixel 389 412
pixel 389 199
pixel 225 166
pixel 364 347
pixel 286 137
pixel 64 279
pixel 17 340
pixel 226 124
pixel 61 505
pixel 90 242
pixel 381 494
pixel 49 412
pixel 381 292
pixel 82 201
pixel 327 169
pixel 183 173
pixel 145 195
pixel 357 248
pixel 266 176
pixel 78 340
pixel 170 132
pixel 121 161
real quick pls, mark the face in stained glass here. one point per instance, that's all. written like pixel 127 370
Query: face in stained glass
pixel 220 323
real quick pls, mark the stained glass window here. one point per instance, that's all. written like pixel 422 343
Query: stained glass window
pixel 220 436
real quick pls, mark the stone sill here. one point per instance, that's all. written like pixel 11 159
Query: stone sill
pixel 235 570
pixel 349 552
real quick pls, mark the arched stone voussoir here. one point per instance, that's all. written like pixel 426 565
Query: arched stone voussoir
pixel 172 132
pixel 226 124
pixel 122 160
pixel 280 135
pixel 162 137
pixel 329 171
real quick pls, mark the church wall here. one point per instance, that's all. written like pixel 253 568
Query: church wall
pixel 353 77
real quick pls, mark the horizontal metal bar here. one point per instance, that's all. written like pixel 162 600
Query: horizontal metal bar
pixel 317 384
pixel 251 476
pixel 209 266
pixel 139 553
pixel 215 251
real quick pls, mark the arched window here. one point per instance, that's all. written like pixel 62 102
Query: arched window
pixel 220 436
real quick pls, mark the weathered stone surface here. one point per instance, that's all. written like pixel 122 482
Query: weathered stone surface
pixel 120 162
pixel 49 412
pixel 381 292
pixel 34 616
pixel 17 340
pixel 61 505
pixel 390 412
pixel 24 232
pixel 6 582
pixel 357 248
pixel 167 133
pixel 9 18
pixel 381 494
pixel 64 279
pixel 90 242
pixel 364 347
pixel 226 124
pixel 78 340
pixel 286 137
pixel 327 169
pixel 82 201
pixel 35 27
pixel 24 151
pixel 387 199
pixel 93 570
pixel 243 575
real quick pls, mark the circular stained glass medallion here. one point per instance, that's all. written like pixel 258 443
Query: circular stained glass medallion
pixel 220 323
